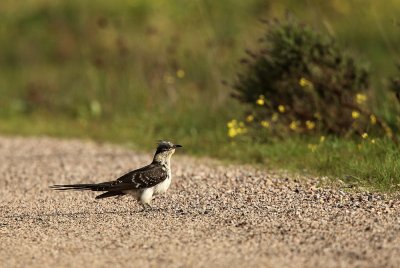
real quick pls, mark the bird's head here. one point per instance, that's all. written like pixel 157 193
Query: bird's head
pixel 165 150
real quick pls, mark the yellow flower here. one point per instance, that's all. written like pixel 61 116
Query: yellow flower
pixel 261 100
pixel 232 123
pixel 322 139
pixel 355 114
pixel 235 128
pixel 232 132
pixel 364 135
pixel 293 125
pixel 250 118
pixel 303 82
pixel 373 141
pixel 281 108
pixel 360 98
pixel 265 124
pixel 372 118
pixel 274 117
pixel 312 147
pixel 310 124
pixel 180 73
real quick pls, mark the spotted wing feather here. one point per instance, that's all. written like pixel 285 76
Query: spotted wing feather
pixel 146 177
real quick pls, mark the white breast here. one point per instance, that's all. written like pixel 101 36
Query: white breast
pixel 163 186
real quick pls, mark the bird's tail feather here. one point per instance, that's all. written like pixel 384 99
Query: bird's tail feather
pixel 82 187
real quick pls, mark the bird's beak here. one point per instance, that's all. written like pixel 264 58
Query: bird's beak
pixel 177 146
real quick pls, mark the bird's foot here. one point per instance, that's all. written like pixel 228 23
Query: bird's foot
pixel 147 207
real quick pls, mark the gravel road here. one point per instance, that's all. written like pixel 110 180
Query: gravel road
pixel 213 215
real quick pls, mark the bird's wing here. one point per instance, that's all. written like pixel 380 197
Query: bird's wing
pixel 145 177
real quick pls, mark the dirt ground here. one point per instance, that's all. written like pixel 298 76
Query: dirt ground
pixel 213 215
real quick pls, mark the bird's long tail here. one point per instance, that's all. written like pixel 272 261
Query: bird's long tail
pixel 105 186
pixel 82 187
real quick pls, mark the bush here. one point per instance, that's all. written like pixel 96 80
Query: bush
pixel 395 85
pixel 302 82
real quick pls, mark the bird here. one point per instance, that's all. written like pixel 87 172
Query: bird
pixel 143 183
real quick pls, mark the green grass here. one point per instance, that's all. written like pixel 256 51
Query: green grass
pixel 107 70
pixel 357 163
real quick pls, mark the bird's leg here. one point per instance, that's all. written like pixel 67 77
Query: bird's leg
pixel 146 207
pixel 145 198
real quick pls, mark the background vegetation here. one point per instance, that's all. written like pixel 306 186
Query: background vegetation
pixel 301 82
pixel 137 71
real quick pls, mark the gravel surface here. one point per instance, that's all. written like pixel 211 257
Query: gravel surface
pixel 213 215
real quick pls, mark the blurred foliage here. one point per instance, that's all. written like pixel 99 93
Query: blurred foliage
pixel 103 60
pixel 303 82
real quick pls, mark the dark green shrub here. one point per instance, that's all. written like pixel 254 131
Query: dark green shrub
pixel 302 82
pixel 395 85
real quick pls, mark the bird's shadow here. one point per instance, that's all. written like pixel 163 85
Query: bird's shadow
pixel 80 214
